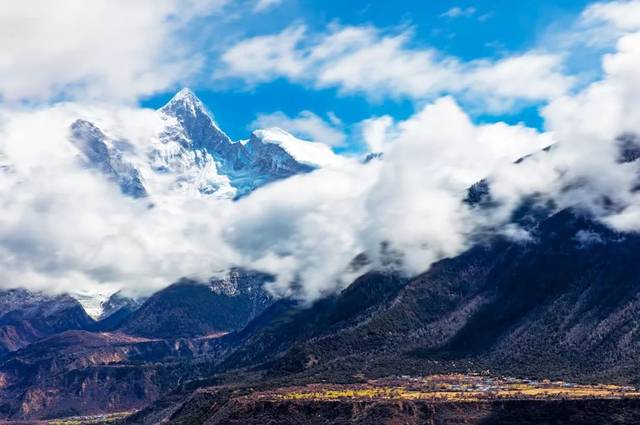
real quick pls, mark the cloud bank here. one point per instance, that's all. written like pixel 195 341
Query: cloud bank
pixel 112 49
pixel 65 228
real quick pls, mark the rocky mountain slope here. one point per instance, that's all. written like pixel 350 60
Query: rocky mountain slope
pixel 79 372
pixel 133 355
pixel 561 305
pixel 27 316
pixel 191 309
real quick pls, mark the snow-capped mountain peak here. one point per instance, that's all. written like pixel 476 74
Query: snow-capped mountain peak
pixel 193 116
pixel 184 100
pixel 313 154
pixel 192 156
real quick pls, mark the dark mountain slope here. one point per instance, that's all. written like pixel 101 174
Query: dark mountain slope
pixel 80 372
pixel 287 324
pixel 563 304
pixel 26 317
pixel 190 309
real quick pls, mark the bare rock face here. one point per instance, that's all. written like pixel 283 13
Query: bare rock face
pixel 79 372
pixel 27 316
pixel 107 156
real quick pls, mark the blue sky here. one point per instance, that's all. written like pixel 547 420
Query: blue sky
pixel 319 69
pixel 466 30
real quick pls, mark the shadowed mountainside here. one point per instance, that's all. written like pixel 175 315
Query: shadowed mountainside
pixel 192 309
pixel 561 304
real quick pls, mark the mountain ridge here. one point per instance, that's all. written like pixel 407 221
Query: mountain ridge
pixel 201 159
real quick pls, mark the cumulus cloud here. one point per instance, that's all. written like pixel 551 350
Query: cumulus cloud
pixel 263 5
pixel 62 226
pixel 624 15
pixel 305 125
pixel 457 12
pixel 111 50
pixel 364 59
pixel 433 157
pixel 65 227
pixel 376 133
pixel 583 169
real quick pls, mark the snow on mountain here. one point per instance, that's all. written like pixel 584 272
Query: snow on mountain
pixel 310 153
pixel 99 305
pixel 108 156
pixel 92 303
pixel 14 299
pixel 117 302
pixel 247 166
pixel 192 156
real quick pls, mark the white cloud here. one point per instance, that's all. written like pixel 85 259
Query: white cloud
pixel 366 60
pixel 306 125
pixel 376 133
pixel 263 5
pixel 595 31
pixel 430 161
pixel 457 12
pixel 109 49
pixel 532 76
pixel 582 170
pixel 266 58
pixel 64 228
pixel 306 229
pixel 624 15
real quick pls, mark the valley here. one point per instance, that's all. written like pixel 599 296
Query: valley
pixel 454 398
pixel 438 399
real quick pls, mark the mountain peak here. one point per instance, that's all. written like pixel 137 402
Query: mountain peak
pixel 185 101
pixel 186 94
pixel 313 154
pixel 193 116
pixel 271 132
